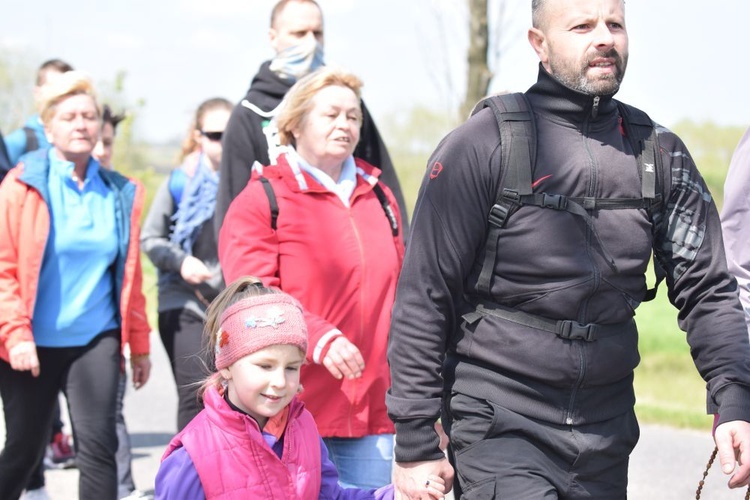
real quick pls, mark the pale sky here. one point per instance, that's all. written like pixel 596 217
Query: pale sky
pixel 688 59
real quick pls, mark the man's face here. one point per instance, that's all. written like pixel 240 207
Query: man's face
pixel 298 22
pixel 583 43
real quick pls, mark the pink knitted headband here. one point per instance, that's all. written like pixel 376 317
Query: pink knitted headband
pixel 257 322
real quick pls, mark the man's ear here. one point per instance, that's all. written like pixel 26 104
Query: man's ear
pixel 538 42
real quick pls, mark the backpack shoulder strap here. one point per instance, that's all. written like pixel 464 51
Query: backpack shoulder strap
pixel 515 121
pixel 386 208
pixel 273 204
pixel 641 132
pixel 32 143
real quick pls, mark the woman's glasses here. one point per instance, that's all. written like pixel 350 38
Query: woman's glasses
pixel 212 136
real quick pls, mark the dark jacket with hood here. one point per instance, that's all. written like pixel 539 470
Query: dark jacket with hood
pixel 246 141
pixel 550 264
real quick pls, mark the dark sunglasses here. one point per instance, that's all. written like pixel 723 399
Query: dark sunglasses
pixel 212 136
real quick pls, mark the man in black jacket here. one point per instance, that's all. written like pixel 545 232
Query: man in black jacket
pixel 296 36
pixel 531 357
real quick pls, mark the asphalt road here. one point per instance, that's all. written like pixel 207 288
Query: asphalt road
pixel 666 465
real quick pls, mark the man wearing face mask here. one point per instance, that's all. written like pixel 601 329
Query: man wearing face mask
pixel 296 36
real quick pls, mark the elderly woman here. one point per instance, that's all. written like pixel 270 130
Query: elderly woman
pixel 322 228
pixel 70 293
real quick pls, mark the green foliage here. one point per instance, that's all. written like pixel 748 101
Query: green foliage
pixel 711 147
pixel 411 137
pixel 16 84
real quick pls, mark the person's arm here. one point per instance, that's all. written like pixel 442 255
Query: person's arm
pixel 329 483
pixel 15 318
pixel 688 244
pixel 447 234
pixel 177 478
pixel 237 157
pixel 735 220
pixel 155 243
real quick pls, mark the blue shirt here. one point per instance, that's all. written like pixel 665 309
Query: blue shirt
pixel 76 297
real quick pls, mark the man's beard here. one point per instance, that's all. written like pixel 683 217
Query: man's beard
pixel 602 85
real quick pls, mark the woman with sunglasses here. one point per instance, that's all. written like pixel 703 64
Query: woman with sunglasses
pixel 179 238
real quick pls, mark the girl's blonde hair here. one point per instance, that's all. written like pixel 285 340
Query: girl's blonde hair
pixel 189 144
pixel 60 86
pixel 242 288
pixel 298 101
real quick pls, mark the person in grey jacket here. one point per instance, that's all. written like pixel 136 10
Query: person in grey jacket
pixel 179 238
pixel 539 412
pixel 735 219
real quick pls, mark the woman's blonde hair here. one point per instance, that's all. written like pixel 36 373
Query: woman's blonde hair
pixel 59 87
pixel 298 101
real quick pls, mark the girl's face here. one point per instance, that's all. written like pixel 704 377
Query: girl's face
pixel 263 383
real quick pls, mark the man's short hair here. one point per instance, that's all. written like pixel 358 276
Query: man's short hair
pixel 57 65
pixel 281 5
pixel 536 13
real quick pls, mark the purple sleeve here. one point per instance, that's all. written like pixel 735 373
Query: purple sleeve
pixel 177 478
pixel 329 483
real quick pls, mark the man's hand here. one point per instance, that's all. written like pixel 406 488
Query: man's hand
pixel 414 480
pixel 733 441
pixel 344 359
pixel 194 271
pixel 23 357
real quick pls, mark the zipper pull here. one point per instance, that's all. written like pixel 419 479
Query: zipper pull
pixel 595 108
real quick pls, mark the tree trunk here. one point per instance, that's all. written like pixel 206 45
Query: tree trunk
pixel 479 74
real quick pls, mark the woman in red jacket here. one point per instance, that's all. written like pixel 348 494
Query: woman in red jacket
pixel 333 244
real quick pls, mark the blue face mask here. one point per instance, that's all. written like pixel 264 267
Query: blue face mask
pixel 298 60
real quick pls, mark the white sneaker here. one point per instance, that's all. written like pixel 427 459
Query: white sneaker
pixel 138 495
pixel 37 494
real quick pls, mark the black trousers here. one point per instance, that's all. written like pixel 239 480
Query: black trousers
pixel 181 332
pixel 88 377
pixel 501 454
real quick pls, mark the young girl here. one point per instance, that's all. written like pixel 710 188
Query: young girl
pixel 254 438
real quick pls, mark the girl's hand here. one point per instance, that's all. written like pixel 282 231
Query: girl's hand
pixel 435 486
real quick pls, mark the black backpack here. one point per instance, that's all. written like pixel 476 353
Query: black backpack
pixel 515 120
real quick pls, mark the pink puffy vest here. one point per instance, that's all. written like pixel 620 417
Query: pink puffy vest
pixel 234 462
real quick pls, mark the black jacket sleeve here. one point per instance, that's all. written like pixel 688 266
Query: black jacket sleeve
pixel 688 244
pixel 239 152
pixel 447 234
